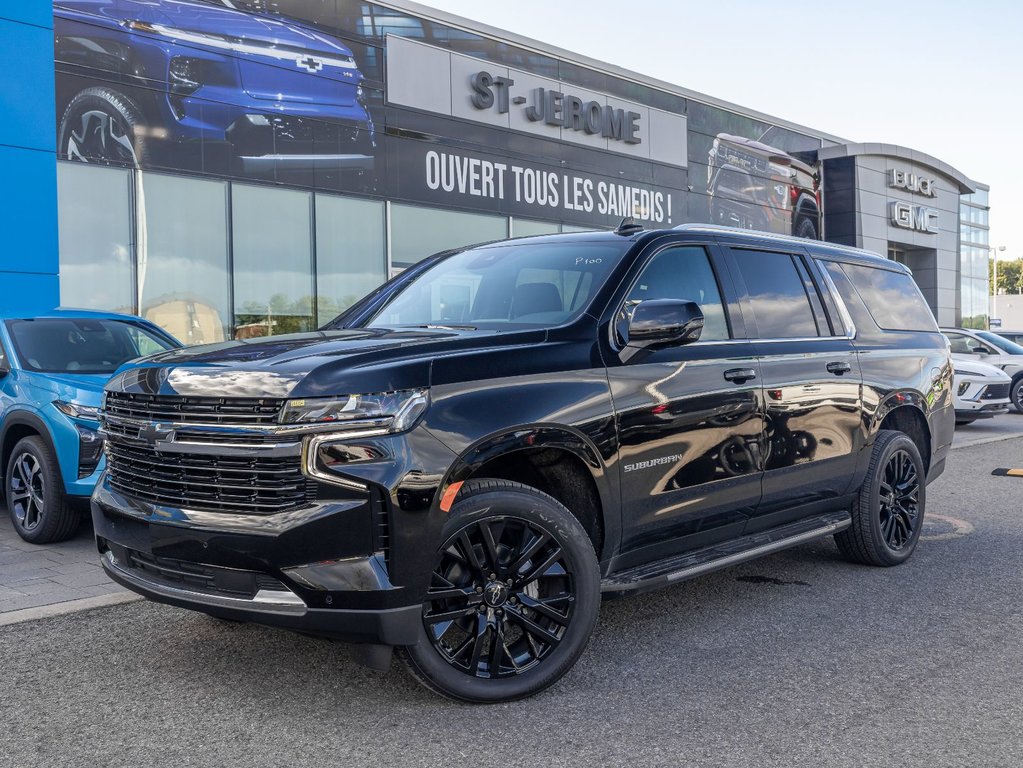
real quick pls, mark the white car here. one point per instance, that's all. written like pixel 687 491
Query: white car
pixel 990 348
pixel 981 391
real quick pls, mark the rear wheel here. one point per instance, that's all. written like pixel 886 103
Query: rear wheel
pixel 514 596
pixel 806 228
pixel 36 501
pixel 889 511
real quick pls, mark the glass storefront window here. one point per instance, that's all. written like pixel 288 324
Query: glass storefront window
pixel 182 256
pixel 94 225
pixel 529 227
pixel 420 232
pixel 273 264
pixel 351 256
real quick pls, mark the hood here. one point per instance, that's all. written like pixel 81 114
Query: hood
pixel 773 154
pixel 218 18
pixel 320 364
pixel 974 368
pixel 84 389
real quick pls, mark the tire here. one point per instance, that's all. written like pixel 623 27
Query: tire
pixel 885 528
pixel 103 125
pixel 545 617
pixel 806 228
pixel 39 509
pixel 1016 392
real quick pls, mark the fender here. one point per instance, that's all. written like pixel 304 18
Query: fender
pixel 532 436
pixel 20 417
pixel 896 399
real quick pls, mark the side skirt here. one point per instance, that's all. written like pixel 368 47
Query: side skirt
pixel 662 573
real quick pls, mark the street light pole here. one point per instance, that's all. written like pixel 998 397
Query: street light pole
pixel 994 287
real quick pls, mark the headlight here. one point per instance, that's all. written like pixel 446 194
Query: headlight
pixel 77 410
pixel 395 411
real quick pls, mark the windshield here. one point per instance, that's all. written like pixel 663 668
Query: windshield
pixel 518 284
pixel 1003 344
pixel 82 345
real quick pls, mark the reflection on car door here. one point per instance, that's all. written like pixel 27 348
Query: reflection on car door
pixel 689 418
pixel 812 384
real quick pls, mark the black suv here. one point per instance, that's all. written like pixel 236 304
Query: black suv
pixel 462 464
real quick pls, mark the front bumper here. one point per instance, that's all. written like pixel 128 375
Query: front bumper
pixel 982 411
pixel 313 570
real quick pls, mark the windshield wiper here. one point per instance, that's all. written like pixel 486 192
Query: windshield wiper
pixel 445 327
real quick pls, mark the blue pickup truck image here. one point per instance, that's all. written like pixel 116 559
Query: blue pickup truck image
pixel 183 83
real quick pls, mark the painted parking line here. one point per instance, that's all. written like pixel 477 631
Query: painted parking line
pixel 944 528
pixel 1008 472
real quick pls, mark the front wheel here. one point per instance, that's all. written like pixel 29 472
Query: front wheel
pixel 1016 393
pixel 514 596
pixel 889 510
pixel 39 509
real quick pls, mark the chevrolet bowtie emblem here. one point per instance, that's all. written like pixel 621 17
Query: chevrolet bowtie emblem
pixel 155 433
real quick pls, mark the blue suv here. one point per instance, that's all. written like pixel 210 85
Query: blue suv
pixel 181 83
pixel 52 373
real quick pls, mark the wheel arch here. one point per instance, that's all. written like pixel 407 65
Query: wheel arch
pixel 557 460
pixel 905 413
pixel 18 425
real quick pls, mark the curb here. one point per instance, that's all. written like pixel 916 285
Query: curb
pixel 987 440
pixel 70 606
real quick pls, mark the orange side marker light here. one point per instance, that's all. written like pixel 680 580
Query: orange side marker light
pixel 449 496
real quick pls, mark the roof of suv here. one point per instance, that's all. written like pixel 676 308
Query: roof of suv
pixel 745 236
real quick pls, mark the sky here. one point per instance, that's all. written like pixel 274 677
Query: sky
pixel 943 77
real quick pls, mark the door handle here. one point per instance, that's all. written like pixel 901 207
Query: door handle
pixel 839 368
pixel 740 375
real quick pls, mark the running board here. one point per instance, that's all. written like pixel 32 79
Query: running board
pixel 689 565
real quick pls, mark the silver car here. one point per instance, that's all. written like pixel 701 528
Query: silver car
pixel 990 348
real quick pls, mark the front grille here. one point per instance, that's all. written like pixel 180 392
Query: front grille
pixel 196 576
pixel 996 392
pixel 224 411
pixel 743 159
pixel 238 484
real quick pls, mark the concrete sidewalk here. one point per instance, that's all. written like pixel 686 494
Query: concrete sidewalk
pixel 37 581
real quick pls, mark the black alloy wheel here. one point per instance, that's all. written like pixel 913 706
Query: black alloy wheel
pixel 513 597
pixel 889 511
pixel 900 501
pixel 501 599
pixel 40 510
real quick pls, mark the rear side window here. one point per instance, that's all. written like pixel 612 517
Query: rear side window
pixel 778 295
pixel 892 298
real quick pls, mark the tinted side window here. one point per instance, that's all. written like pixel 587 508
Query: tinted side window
pixel 685 273
pixel 960 344
pixel 892 298
pixel 781 306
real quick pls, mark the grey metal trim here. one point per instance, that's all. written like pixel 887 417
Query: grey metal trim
pixel 274 430
pixel 966 186
pixel 307 162
pixel 504 36
pixel 265 601
pixel 764 549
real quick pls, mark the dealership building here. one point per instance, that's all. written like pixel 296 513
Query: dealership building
pixel 233 169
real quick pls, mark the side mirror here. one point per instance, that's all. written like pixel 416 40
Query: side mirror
pixel 660 323
pixel 980 350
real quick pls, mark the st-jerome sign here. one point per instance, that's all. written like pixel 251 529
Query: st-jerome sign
pixel 557 109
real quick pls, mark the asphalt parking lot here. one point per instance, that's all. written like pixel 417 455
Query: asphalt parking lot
pixel 799 659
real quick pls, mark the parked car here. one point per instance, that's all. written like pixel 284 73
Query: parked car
pixel 1016 337
pixel 52 372
pixel 158 83
pixel 982 391
pixel 992 349
pixel 462 463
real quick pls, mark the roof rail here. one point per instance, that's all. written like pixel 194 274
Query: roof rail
pixel 790 239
